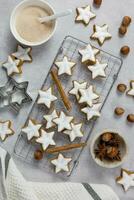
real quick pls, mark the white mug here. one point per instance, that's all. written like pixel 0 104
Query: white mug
pixel 18 8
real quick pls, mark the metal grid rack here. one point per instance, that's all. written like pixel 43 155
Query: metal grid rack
pixel 69 47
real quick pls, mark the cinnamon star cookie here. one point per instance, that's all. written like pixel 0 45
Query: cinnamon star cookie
pixel 32 129
pixel 88 54
pixel 98 69
pixel 23 54
pixel 63 122
pixel 65 66
pixel 93 111
pixel 12 66
pixel 76 87
pixel 49 118
pixel 46 139
pixel 126 179
pixel 88 96
pixel 61 163
pixel 84 15
pixel 5 129
pixel 130 92
pixel 75 132
pixel 46 97
pixel 101 33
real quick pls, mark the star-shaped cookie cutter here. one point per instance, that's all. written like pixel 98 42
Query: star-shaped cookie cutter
pixel 14 94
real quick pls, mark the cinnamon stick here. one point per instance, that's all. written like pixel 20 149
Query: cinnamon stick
pixel 65 148
pixel 61 90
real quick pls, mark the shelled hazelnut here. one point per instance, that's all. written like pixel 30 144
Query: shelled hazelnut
pixel 125 50
pixel 122 30
pixel 38 155
pixel 119 111
pixel 130 118
pixel 126 21
pixel 97 2
pixel 121 87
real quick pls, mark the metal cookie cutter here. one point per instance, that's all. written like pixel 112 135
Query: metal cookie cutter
pixel 14 94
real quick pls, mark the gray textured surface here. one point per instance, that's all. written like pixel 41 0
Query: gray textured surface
pixel 111 12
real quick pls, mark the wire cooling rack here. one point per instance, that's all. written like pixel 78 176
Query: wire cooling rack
pixel 69 47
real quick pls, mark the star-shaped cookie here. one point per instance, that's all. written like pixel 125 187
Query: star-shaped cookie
pixel 23 54
pixel 49 118
pixel 63 122
pixel 5 129
pixel 46 97
pixel 88 54
pixel 65 66
pixel 76 131
pixel 84 15
pixel 12 66
pixel 61 163
pixel 76 87
pixel 98 69
pixel 46 139
pixel 32 129
pixel 101 33
pixel 130 92
pixel 126 179
pixel 88 96
pixel 93 111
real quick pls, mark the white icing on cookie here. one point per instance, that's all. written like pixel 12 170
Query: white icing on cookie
pixel 76 87
pixel 75 132
pixel 88 96
pixel 46 139
pixel 101 33
pixel 5 130
pixel 127 180
pixel 61 163
pixel 85 14
pixel 93 111
pixel 88 54
pixel 49 118
pixel 98 69
pixel 32 129
pixel 23 54
pixel 65 66
pixel 46 97
pixel 12 66
pixel 63 122
pixel 131 91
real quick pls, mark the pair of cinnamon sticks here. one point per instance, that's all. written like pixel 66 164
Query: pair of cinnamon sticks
pixel 58 83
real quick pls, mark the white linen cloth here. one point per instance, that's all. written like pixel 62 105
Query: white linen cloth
pixel 13 186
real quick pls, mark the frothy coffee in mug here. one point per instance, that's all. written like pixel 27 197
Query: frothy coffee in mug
pixel 29 27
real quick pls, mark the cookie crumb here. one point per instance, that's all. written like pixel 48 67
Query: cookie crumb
pixel 98 2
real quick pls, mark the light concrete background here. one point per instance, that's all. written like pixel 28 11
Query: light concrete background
pixel 111 13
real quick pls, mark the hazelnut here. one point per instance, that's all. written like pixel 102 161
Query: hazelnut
pixel 97 2
pixel 122 30
pixel 112 152
pixel 121 87
pixel 119 111
pixel 125 50
pixel 130 118
pixel 106 137
pixel 38 155
pixel 126 21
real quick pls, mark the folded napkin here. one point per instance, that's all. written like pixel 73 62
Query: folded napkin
pixel 13 186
